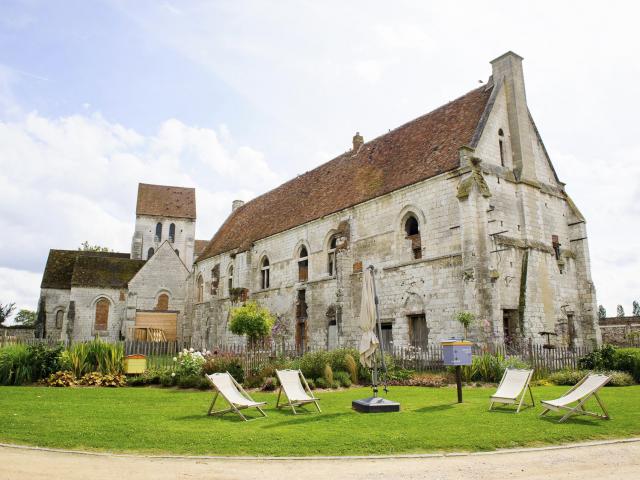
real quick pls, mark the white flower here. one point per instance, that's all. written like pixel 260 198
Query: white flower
pixel 191 350
pixel 173 374
pixel 175 359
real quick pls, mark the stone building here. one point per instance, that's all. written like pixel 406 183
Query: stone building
pixel 457 210
pixel 108 295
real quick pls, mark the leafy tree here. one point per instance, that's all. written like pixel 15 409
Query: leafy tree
pixel 6 311
pixel 251 320
pixel 636 308
pixel 602 312
pixel 465 319
pixel 87 247
pixel 620 311
pixel 26 318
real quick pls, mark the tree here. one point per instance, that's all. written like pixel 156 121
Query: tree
pixel 6 311
pixel 636 308
pixel 26 318
pixel 620 311
pixel 602 312
pixel 86 247
pixel 465 319
pixel 251 320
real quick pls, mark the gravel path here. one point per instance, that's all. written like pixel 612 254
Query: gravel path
pixel 600 461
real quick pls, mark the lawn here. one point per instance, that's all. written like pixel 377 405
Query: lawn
pixel 156 420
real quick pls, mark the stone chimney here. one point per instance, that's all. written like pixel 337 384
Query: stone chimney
pixel 236 204
pixel 358 141
pixel 507 69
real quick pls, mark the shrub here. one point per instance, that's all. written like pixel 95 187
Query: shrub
pixel 311 383
pixel 251 320
pixel 423 380
pixel 328 374
pixel 600 359
pixel 91 379
pixel 44 360
pixel 96 356
pixel 343 379
pixel 168 379
pixel 97 379
pixel 620 379
pixel 15 365
pixel 269 384
pixel 61 379
pixel 253 381
pixel 191 381
pixel 320 382
pixel 224 363
pixel 628 360
pixel 188 363
pixel 489 368
pixel 137 381
pixel 312 364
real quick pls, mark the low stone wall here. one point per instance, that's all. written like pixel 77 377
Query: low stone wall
pixel 620 330
pixel 19 333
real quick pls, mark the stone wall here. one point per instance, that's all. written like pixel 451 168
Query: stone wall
pixel 620 330
pixel 17 332
pixel 144 237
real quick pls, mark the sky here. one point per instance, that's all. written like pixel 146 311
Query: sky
pixel 235 97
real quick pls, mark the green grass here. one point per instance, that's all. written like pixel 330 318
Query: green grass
pixel 155 420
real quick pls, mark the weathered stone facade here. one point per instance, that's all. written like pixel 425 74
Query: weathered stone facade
pixel 498 236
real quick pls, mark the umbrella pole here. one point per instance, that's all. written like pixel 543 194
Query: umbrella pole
pixel 381 345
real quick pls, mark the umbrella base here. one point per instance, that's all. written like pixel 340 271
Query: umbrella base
pixel 375 405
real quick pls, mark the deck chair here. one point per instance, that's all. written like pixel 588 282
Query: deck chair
pixel 234 394
pixel 513 388
pixel 579 394
pixel 296 389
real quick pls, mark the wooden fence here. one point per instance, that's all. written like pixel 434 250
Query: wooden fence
pixel 428 358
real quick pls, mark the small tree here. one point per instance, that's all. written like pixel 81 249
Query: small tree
pixel 620 311
pixel 602 312
pixel 6 311
pixel 26 318
pixel 251 320
pixel 87 247
pixel 636 308
pixel 465 319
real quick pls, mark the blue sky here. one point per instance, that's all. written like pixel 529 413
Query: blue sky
pixel 234 97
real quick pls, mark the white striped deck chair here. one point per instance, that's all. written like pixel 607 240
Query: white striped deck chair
pixel 296 389
pixel 513 388
pixel 579 394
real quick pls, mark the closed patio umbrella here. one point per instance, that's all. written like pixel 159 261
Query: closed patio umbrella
pixel 369 341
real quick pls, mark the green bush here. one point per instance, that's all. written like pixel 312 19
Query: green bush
pixel 423 380
pixel 343 379
pixel 311 383
pixel 489 368
pixel 60 379
pixel 168 379
pixel 251 320
pixel 96 356
pixel 15 365
pixel 628 360
pixel 571 377
pixel 194 381
pixel 44 360
pixel 253 381
pixel 221 363
pixel 312 364
pixel 137 381
pixel 600 359
pixel 320 382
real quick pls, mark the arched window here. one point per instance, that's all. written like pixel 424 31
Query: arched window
pixel 303 264
pixel 158 232
pixel 501 143
pixel 150 253
pixel 331 255
pixel 264 273
pixel 59 318
pixel 412 230
pixel 172 232
pixel 199 289
pixel 230 280
pixel 163 302
pixel 102 314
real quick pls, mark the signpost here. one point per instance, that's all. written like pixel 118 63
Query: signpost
pixel 457 353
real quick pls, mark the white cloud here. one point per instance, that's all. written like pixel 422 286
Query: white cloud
pixel 66 180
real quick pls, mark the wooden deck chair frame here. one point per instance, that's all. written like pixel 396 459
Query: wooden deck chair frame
pixel 520 401
pixel 579 407
pixel 234 407
pixel 296 403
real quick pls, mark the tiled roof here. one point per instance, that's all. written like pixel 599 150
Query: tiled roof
pixel 166 201
pixel 60 267
pixel 104 272
pixel 420 149
pixel 199 247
